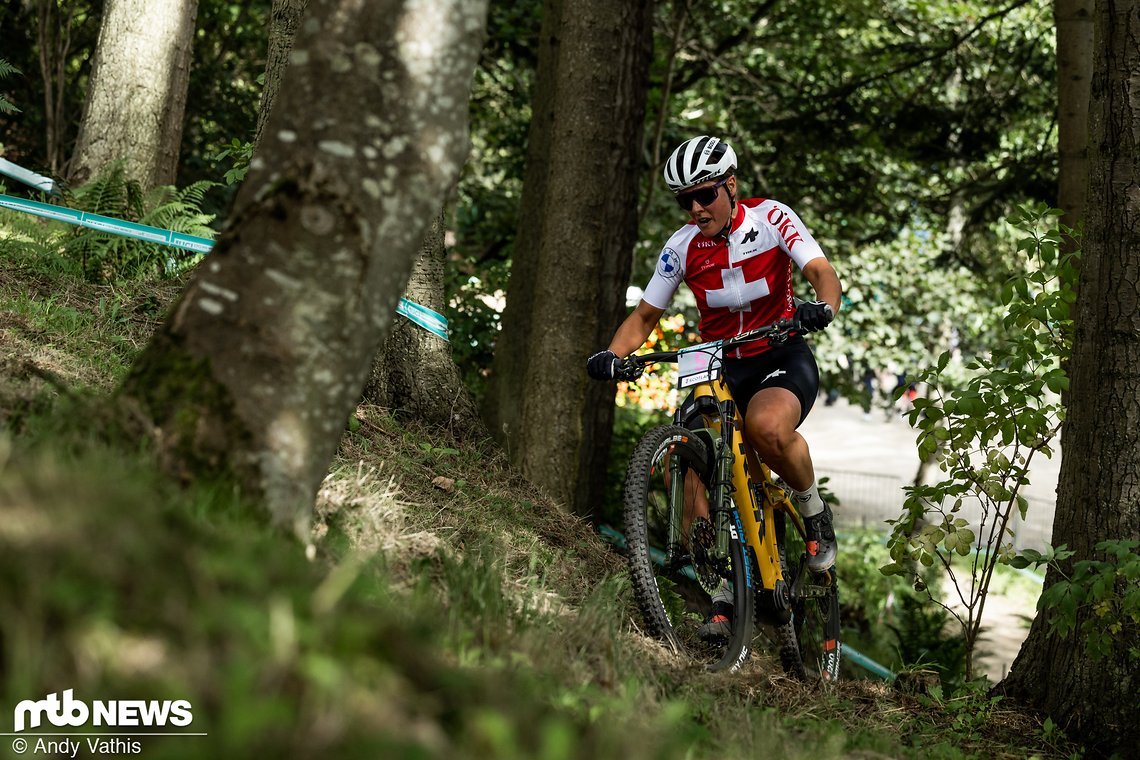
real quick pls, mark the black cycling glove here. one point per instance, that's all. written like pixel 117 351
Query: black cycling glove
pixel 602 365
pixel 814 315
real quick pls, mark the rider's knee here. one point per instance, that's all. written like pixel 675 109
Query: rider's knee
pixel 771 441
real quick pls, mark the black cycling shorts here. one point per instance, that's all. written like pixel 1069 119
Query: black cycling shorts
pixel 791 366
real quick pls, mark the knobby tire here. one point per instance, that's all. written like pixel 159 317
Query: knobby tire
pixel 809 644
pixel 646 503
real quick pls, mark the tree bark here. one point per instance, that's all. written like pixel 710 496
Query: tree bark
pixel 572 255
pixel 54 37
pixel 1098 495
pixel 413 373
pixel 285 19
pixel 1074 20
pixel 137 95
pixel 263 358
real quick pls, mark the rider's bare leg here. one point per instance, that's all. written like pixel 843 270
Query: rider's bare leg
pixel 770 427
pixel 696 501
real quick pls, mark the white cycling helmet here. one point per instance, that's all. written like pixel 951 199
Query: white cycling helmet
pixel 698 160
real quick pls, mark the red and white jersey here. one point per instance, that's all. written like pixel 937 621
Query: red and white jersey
pixel 742 282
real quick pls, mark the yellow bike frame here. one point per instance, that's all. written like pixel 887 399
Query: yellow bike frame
pixel 747 471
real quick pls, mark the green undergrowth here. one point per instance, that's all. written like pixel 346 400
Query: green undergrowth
pixel 131 589
pixel 391 639
pixel 444 607
pixel 59 334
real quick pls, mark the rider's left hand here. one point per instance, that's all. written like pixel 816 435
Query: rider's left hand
pixel 814 315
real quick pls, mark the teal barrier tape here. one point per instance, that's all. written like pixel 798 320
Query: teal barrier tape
pixel 611 536
pixel 424 317
pixel 108 224
pixel 30 178
pixel 431 321
pixel 865 662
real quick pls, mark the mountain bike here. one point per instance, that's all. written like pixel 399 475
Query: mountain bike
pixel 750 544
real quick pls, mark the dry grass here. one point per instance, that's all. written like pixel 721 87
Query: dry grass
pixel 412 492
pixel 59 335
pixel 406 495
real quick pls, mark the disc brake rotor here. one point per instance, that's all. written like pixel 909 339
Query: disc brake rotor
pixel 709 569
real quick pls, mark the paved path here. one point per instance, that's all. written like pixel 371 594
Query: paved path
pixel 869 460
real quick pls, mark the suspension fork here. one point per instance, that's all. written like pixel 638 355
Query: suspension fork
pixel 722 486
pixel 674 547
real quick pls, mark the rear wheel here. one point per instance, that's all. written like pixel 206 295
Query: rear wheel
pixel 810 645
pixel 674 566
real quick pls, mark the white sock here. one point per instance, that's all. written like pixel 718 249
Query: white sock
pixel 808 502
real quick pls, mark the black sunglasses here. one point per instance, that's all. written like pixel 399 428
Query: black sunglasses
pixel 703 196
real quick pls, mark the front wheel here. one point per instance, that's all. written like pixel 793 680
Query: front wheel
pixel 675 569
pixel 811 645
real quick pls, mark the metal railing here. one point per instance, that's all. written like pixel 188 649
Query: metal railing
pixel 867 499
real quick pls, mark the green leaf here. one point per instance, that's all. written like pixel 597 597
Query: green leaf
pixel 1057 381
pixel 894 568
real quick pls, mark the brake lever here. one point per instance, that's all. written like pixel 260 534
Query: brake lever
pixel 629 370
pixel 792 327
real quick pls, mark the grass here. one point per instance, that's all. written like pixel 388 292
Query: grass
pixel 60 334
pixel 444 607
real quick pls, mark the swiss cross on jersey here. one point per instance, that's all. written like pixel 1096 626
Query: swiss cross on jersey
pixel 740 283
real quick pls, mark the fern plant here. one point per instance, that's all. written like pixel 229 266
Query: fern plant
pixel 34 244
pixel 6 70
pixel 104 257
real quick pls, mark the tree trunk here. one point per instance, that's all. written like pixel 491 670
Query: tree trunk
pixel 414 373
pixel 54 37
pixel 1074 75
pixel 137 95
pixel 572 255
pixel 1098 495
pixel 263 358
pixel 285 19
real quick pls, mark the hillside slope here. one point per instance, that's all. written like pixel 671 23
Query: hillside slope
pixel 445 607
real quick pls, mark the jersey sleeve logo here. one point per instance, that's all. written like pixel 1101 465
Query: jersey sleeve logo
pixel 669 264
pixel 782 222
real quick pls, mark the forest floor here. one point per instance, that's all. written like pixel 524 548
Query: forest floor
pixel 448 610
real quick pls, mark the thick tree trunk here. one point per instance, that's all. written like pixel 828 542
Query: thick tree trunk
pixel 414 373
pixel 265 355
pixel 137 95
pixel 571 263
pixel 1098 496
pixel 285 20
pixel 1074 76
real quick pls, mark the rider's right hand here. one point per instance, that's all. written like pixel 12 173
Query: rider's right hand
pixel 602 365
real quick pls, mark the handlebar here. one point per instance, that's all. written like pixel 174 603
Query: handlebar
pixel 632 366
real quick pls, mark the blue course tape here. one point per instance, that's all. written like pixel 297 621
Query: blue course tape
pixel 108 224
pixel 431 321
pixel 28 177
